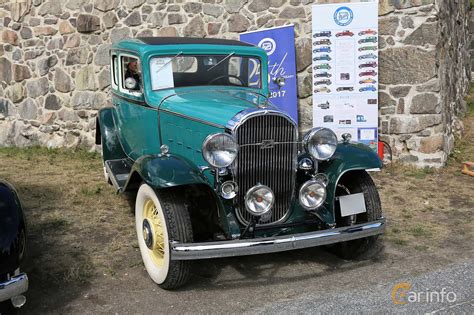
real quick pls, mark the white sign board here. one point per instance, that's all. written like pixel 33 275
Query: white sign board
pixel 345 69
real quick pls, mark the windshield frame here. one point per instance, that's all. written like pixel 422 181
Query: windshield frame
pixel 183 53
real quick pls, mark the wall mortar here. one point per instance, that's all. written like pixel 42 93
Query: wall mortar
pixel 54 72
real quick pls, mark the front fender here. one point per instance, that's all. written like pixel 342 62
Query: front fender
pixel 348 157
pixel 164 171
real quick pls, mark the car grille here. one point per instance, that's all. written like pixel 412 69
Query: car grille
pixel 267 156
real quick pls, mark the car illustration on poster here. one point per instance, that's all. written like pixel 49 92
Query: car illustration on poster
pixel 367 73
pixel 321 82
pixel 322 89
pixel 370 39
pixel 367 32
pixel 324 57
pixel 183 133
pixel 322 42
pixel 322 75
pixel 371 64
pixel 365 48
pixel 326 49
pixel 360 118
pixel 367 81
pixel 324 105
pixel 345 33
pixel 328 118
pixel 324 66
pixel 322 34
pixel 369 88
pixel 368 56
pixel 345 88
pixel 345 76
pixel 345 122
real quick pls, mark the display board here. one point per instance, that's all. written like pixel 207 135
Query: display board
pixel 345 69
pixel 279 43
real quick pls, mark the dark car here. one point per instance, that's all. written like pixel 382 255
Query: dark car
pixel 325 57
pixel 322 42
pixel 322 34
pixel 345 88
pixel 322 75
pixel 345 33
pixel 325 81
pixel 13 283
pixel 371 64
pixel 367 73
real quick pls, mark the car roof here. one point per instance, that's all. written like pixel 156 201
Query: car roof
pixel 190 40
pixel 150 45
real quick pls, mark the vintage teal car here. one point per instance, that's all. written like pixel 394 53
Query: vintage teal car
pixel 218 170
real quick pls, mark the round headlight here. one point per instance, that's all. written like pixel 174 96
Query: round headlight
pixel 312 194
pixel 259 200
pixel 219 150
pixel 321 143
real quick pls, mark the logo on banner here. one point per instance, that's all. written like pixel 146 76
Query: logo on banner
pixel 343 16
pixel 267 44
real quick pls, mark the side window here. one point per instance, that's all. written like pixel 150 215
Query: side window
pixel 131 73
pixel 114 71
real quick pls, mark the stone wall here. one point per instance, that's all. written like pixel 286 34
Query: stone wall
pixel 471 27
pixel 54 63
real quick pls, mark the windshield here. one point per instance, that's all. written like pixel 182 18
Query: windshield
pixel 193 70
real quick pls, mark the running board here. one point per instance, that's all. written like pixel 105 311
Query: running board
pixel 118 171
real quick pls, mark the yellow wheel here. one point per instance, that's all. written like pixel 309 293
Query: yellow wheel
pixel 159 218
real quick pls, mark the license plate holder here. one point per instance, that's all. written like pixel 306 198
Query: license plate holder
pixel 352 204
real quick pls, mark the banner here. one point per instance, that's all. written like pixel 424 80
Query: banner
pixel 279 43
pixel 345 69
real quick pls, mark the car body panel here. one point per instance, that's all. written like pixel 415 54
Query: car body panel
pixel 161 133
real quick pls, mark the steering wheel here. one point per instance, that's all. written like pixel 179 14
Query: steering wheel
pixel 227 76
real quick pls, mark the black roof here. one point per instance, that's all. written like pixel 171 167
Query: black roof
pixel 190 40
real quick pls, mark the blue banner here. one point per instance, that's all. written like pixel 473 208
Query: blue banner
pixel 279 43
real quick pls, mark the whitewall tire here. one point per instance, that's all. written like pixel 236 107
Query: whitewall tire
pixel 159 218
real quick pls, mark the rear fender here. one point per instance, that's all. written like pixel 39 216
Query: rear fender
pixel 348 157
pixel 106 134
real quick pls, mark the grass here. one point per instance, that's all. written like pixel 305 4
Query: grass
pixel 32 153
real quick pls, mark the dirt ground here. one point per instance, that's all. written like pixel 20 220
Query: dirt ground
pixel 83 254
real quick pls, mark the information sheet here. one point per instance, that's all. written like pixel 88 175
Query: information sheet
pixel 345 69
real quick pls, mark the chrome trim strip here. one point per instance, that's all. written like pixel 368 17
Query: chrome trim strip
pixel 191 251
pixel 242 116
pixel 191 118
pixel 13 287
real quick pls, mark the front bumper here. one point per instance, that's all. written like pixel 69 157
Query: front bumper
pixel 191 251
pixel 17 285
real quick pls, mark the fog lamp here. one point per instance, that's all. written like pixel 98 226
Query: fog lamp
pixel 312 194
pixel 259 200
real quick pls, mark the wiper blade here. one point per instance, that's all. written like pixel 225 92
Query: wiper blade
pixel 169 61
pixel 223 59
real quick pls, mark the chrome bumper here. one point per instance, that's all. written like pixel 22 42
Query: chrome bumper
pixel 190 251
pixel 15 286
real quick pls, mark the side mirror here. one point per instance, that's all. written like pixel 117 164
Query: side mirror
pixel 130 83
pixel 280 81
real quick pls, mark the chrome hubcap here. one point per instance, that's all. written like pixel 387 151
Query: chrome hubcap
pixel 147 234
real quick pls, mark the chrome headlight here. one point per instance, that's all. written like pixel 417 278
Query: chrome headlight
pixel 220 149
pixel 321 143
pixel 259 200
pixel 312 194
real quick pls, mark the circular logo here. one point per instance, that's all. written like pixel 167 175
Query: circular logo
pixel 343 16
pixel 268 45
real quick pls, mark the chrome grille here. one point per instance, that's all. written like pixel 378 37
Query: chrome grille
pixel 260 162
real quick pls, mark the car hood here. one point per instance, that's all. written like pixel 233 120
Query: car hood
pixel 216 106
